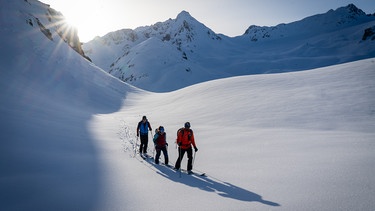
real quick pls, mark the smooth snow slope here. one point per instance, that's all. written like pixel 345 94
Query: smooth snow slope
pixel 292 141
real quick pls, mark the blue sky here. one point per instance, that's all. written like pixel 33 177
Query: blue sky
pixel 230 17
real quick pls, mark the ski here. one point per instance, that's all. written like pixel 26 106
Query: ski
pixel 198 174
pixel 191 172
pixel 144 156
pixel 165 165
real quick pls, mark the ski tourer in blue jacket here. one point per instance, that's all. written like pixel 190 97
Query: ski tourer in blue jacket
pixel 142 130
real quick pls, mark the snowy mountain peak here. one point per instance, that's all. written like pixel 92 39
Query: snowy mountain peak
pixel 352 9
pixel 180 39
pixel 183 27
pixel 332 20
pixel 344 15
pixel 184 15
pixel 184 21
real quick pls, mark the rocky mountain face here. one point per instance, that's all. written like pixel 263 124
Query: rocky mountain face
pixel 369 34
pixel 185 51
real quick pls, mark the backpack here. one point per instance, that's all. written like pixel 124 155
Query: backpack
pixel 160 140
pixel 180 133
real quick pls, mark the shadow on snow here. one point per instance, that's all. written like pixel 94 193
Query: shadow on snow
pixel 211 184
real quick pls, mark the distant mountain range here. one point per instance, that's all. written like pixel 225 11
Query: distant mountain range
pixel 182 51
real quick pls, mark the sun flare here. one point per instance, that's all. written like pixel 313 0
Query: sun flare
pixel 84 16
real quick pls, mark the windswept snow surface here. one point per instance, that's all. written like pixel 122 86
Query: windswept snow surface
pixel 291 141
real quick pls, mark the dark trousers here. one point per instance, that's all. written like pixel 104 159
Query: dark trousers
pixel 181 153
pixel 144 143
pixel 165 153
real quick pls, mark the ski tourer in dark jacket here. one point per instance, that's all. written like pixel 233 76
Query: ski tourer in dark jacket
pixel 142 130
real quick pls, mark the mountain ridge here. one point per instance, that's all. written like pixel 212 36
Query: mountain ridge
pixel 326 22
pixel 187 51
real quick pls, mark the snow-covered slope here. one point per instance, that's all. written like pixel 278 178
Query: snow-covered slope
pixel 49 93
pixel 182 51
pixel 291 141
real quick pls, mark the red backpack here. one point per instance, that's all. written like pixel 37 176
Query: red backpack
pixel 180 134
pixel 160 140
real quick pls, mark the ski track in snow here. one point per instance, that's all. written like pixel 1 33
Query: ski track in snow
pixel 128 138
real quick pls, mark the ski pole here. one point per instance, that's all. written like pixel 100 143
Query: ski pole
pixel 153 150
pixel 167 152
pixel 179 158
pixel 135 147
pixel 195 152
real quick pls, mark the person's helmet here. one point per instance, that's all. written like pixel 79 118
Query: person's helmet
pixel 161 129
pixel 187 125
pixel 144 118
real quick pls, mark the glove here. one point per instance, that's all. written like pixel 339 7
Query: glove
pixel 137 134
pixel 196 149
pixel 179 143
pixel 166 144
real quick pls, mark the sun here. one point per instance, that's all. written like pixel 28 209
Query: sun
pixel 85 16
pixel 85 20
pixel 94 18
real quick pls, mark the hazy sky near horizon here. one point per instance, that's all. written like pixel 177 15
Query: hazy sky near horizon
pixel 229 17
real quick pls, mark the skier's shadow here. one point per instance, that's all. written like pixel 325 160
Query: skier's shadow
pixel 211 184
